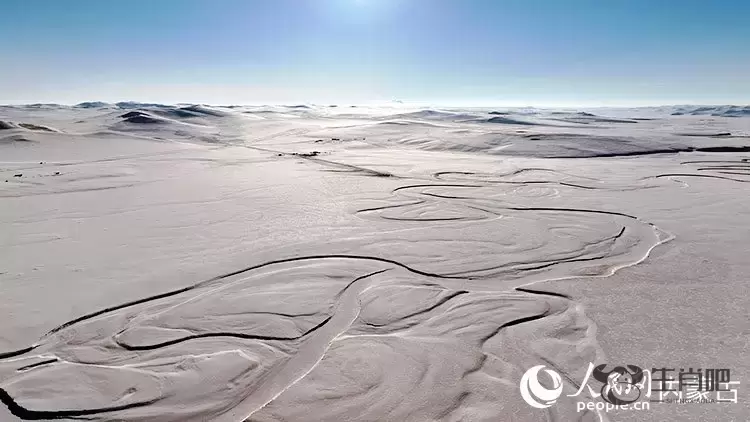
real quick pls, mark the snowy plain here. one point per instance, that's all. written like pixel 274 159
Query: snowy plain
pixel 300 263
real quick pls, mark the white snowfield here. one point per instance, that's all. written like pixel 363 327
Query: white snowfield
pixel 318 263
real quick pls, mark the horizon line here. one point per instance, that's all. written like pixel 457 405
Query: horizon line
pixel 395 103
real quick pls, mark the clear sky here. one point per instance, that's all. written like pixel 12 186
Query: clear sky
pixel 446 52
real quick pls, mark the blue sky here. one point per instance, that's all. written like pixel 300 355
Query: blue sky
pixel 443 52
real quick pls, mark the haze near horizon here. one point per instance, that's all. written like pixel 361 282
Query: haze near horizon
pixel 442 52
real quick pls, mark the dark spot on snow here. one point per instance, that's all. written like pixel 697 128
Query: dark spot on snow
pixel 29 126
pixel 307 154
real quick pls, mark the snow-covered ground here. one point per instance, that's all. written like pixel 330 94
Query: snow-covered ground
pixel 318 263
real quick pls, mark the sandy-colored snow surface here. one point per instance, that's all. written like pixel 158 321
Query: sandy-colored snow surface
pixel 317 263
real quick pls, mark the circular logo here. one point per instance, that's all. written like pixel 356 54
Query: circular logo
pixel 622 385
pixel 537 395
